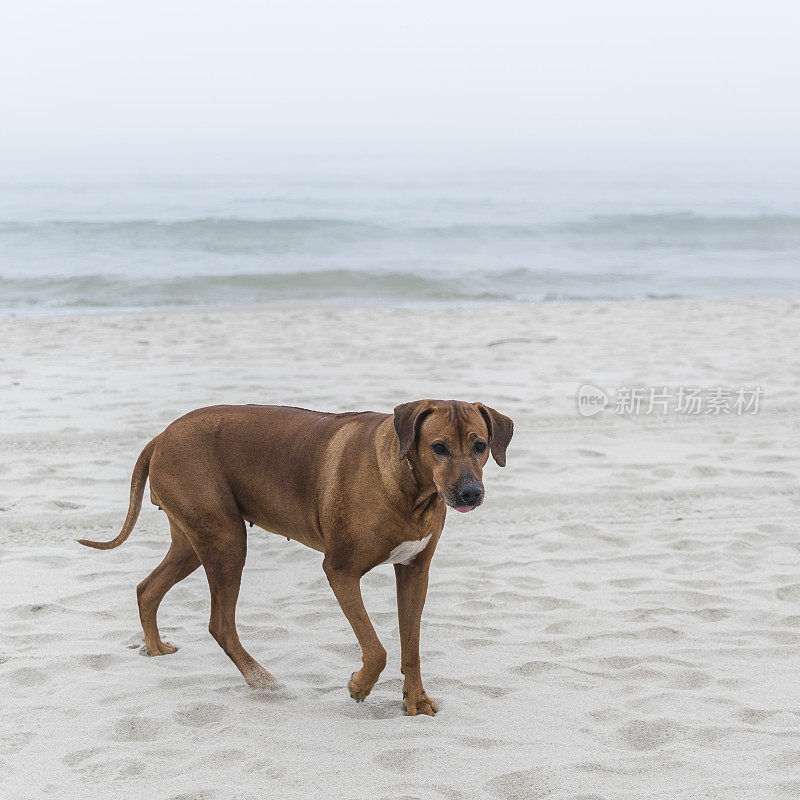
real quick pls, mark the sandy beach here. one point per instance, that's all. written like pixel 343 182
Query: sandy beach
pixel 621 618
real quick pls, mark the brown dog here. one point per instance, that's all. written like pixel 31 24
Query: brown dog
pixel 362 488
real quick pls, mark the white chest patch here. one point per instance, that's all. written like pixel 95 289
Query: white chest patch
pixel 406 552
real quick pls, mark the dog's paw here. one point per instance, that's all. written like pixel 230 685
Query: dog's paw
pixel 259 678
pixel 160 648
pixel 359 687
pixel 418 703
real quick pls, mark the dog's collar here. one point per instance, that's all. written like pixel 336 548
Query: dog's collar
pixel 409 465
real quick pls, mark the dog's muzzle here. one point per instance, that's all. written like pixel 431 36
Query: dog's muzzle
pixel 467 496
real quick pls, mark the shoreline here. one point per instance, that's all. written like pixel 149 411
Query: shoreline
pixel 356 304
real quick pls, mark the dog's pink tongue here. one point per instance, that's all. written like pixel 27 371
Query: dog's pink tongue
pixel 464 509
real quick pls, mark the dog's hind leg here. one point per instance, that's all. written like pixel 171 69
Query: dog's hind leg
pixel 180 561
pixel 223 554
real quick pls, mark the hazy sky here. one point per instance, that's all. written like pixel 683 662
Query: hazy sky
pixel 229 84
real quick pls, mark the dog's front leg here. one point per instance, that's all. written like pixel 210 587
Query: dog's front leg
pixel 412 586
pixel 347 587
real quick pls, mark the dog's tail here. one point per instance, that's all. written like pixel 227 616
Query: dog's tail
pixel 138 480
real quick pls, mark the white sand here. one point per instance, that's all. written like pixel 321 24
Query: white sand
pixel 621 619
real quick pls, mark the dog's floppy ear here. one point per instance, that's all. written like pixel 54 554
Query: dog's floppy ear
pixel 501 429
pixel 407 419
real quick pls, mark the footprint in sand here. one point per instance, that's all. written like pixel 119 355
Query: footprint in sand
pixel 28 676
pixel 627 583
pixel 189 796
pixel 648 734
pixel 401 759
pixel 96 761
pixel 480 743
pixel 66 504
pixel 752 716
pixel 136 729
pixel 532 668
pixel 789 593
pixel 224 757
pixel 264 768
pixel 98 661
pixel 79 756
pixel 415 792
pixel 692 679
pixel 34 609
pixel 706 472
pixel 200 715
pixel 620 662
pixel 529 784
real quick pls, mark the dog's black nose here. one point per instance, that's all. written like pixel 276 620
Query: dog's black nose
pixel 469 494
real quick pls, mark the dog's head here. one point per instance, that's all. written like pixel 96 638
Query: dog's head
pixel 449 442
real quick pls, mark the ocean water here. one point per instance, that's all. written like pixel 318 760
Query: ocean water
pixel 418 237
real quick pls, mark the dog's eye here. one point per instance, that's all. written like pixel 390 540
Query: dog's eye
pixel 479 447
pixel 440 448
